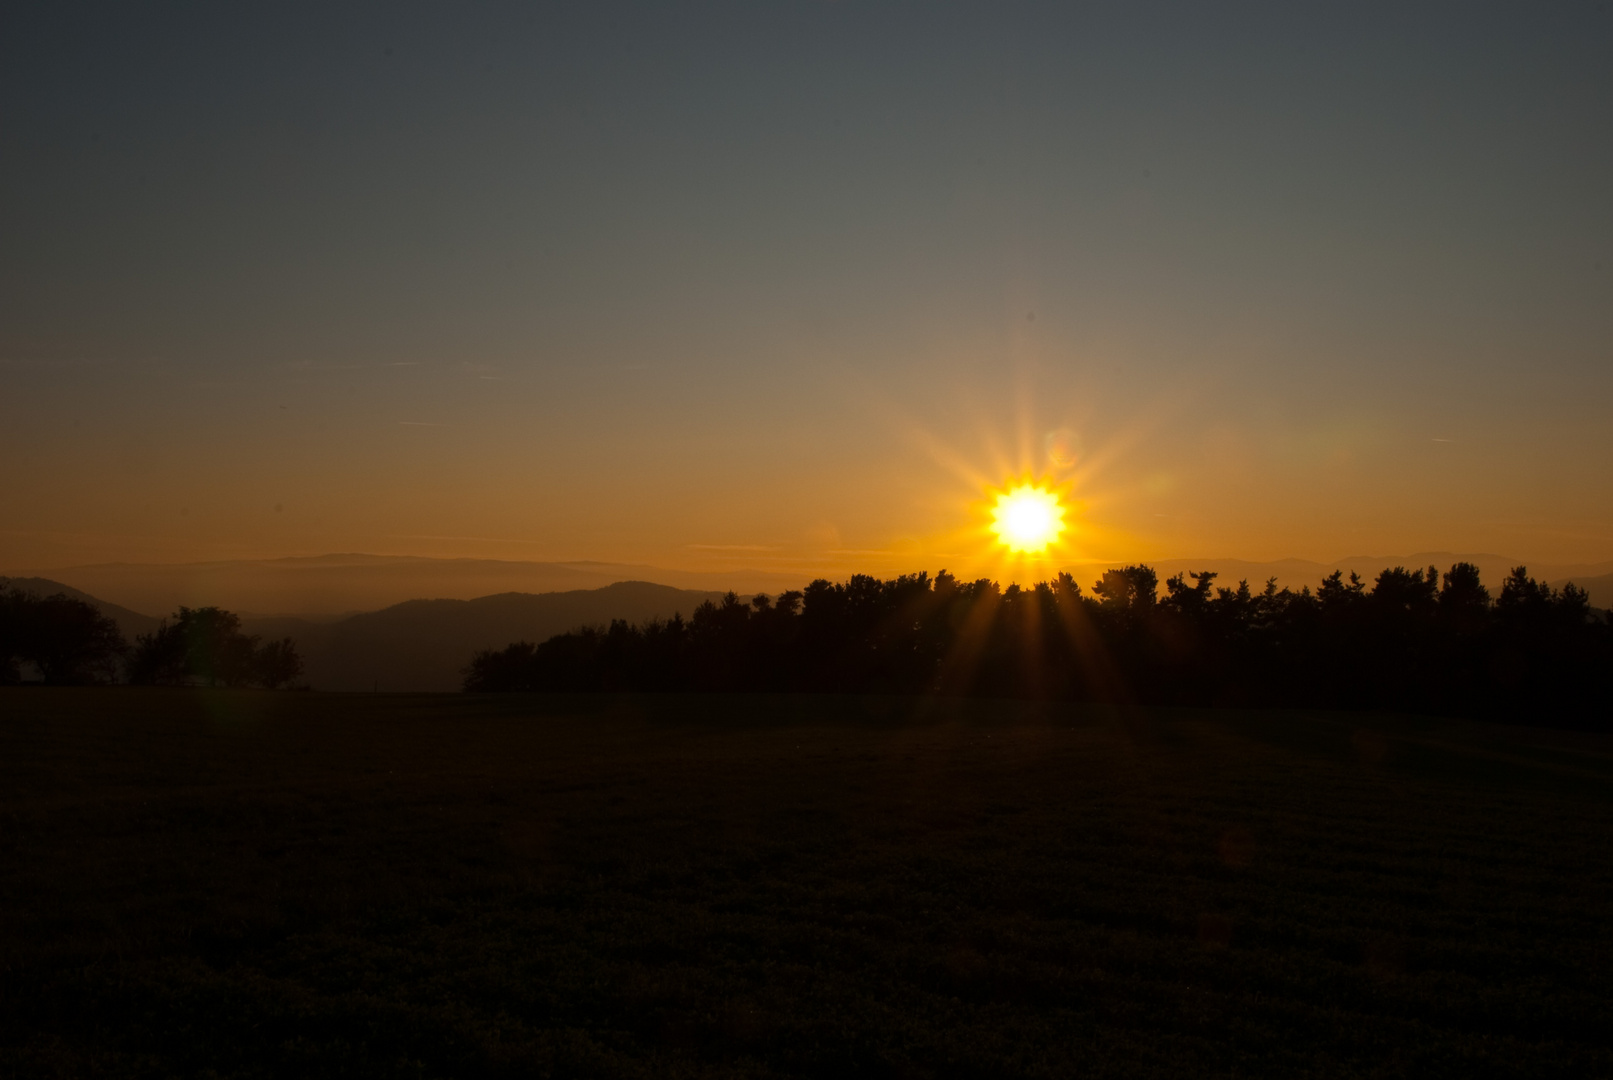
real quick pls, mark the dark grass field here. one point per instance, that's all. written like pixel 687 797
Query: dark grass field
pixel 218 884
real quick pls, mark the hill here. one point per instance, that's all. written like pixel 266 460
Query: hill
pixel 421 644
pixel 335 585
pixel 331 585
pixel 424 644
pixel 130 623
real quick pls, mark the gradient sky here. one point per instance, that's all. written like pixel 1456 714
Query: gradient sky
pixel 782 285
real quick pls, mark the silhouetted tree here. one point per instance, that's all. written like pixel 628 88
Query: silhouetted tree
pixel 1408 642
pixel 503 670
pixel 159 658
pixel 68 640
pixel 206 645
pixel 1191 600
pixel 1334 594
pixel 276 664
pixel 1130 589
pixel 1464 602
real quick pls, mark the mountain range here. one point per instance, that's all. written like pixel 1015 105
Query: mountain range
pixel 423 644
pixel 130 623
pixel 327 586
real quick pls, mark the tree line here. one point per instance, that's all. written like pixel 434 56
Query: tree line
pixel 1414 640
pixel 69 642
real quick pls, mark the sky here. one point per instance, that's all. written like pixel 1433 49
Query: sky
pixel 791 286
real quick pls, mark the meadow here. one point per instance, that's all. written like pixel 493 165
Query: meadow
pixel 245 884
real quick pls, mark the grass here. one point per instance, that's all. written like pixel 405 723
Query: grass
pixel 245 884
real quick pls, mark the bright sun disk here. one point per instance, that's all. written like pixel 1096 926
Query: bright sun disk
pixel 1027 518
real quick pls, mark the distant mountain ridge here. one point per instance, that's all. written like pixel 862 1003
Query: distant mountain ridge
pixel 423 645
pixel 344 584
pixel 130 623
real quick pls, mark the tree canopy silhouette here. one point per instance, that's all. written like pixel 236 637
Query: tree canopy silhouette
pixel 67 640
pixel 206 645
pixel 1413 640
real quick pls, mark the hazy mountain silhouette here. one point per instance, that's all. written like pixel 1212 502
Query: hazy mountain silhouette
pixel 130 623
pixel 330 585
pixel 424 645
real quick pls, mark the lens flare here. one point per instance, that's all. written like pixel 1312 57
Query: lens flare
pixel 1027 519
pixel 1063 448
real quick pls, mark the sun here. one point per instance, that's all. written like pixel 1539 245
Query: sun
pixel 1027 519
